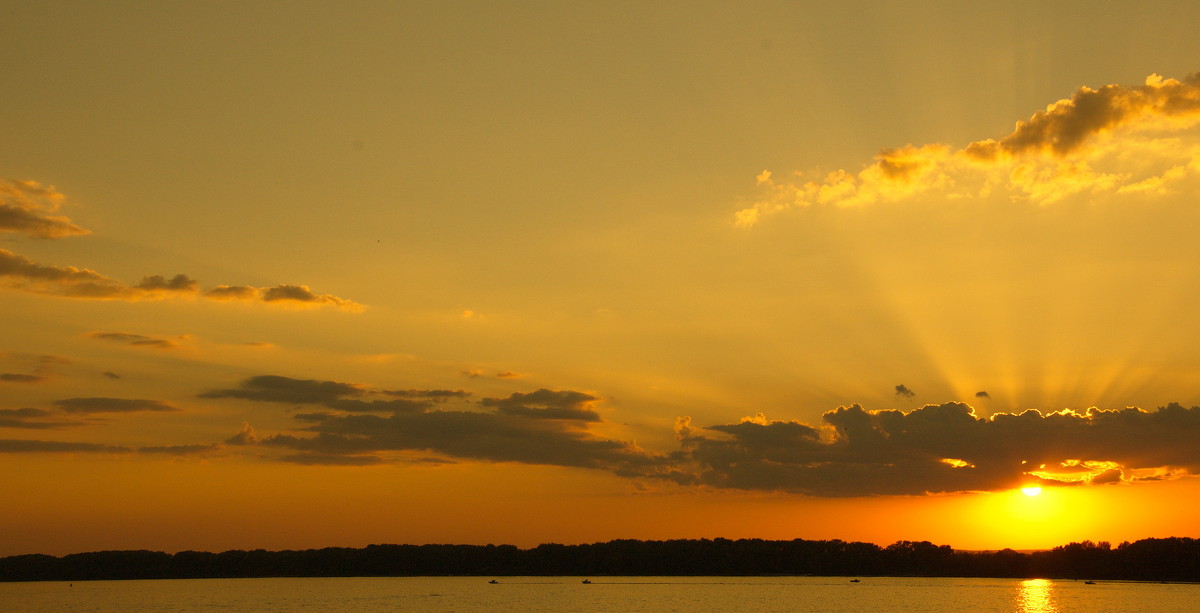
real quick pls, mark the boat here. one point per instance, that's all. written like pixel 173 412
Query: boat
pixel 1089 582
pixel 586 581
pixel 854 581
pixel 493 581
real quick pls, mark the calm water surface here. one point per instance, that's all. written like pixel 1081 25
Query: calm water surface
pixel 605 595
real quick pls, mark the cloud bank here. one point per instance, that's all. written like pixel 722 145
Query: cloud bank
pixel 364 426
pixel 1108 141
pixel 940 449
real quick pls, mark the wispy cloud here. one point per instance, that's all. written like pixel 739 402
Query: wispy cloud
pixel 135 340
pixel 111 405
pixel 35 419
pixel 9 377
pixel 1069 148
pixel 32 446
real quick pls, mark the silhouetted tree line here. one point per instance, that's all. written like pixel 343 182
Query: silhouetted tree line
pixel 1169 559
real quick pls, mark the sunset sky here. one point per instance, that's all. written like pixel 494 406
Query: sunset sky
pixel 301 274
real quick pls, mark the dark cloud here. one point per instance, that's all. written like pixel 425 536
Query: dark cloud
pixel 274 388
pixel 27 207
pixel 902 390
pixel 136 340
pixel 179 449
pixel 494 437
pixel 547 404
pixel 232 292
pixel 434 395
pixel 540 427
pixel 349 397
pixel 20 378
pixel 34 419
pixel 178 283
pixel 941 448
pixel 982 394
pixel 111 375
pixel 111 405
pixel 25 446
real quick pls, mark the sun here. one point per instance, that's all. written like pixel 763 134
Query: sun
pixel 1032 490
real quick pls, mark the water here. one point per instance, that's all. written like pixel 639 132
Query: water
pixel 604 595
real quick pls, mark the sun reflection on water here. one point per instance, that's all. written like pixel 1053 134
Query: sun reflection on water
pixel 1035 596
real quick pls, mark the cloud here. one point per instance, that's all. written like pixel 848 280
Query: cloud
pixel 111 405
pixel 434 395
pixel 940 448
pixel 180 450
pixel 27 446
pixel 1067 125
pixel 20 378
pixel 136 340
pixel 26 207
pixel 71 282
pixel 245 436
pixel 982 394
pixel 540 427
pixel 30 276
pixel 275 388
pixel 299 296
pixel 159 283
pixel 494 437
pixel 34 419
pixel 547 404
pixel 348 397
pixel 474 373
pixel 902 390
pixel 1080 145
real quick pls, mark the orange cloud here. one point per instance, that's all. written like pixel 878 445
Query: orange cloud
pixel 1114 140
pixel 297 296
pixel 26 207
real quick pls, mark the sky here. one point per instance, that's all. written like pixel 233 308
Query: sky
pixel 302 274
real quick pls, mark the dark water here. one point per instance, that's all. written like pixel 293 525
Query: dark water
pixel 604 594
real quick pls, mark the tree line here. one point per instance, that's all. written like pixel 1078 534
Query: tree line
pixel 1166 559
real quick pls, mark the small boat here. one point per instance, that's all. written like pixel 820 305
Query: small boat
pixel 854 581
pixel 493 581
pixel 1089 582
pixel 586 581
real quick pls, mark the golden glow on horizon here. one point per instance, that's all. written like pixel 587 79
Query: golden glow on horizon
pixel 1032 490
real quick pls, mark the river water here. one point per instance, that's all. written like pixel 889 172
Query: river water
pixel 603 595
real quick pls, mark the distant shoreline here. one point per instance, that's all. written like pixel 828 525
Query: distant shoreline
pixel 1175 560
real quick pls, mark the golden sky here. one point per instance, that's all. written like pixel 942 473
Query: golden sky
pixel 308 274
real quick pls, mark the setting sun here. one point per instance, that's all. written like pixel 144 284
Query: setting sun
pixel 1032 490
